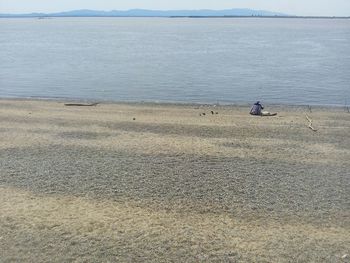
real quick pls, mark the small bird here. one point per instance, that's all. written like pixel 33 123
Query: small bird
pixel 133 119
pixel 212 112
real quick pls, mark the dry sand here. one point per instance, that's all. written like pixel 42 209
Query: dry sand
pixel 91 184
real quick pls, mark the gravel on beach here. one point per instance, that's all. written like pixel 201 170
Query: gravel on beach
pixel 152 182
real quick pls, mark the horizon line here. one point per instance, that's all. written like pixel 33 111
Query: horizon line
pixel 105 13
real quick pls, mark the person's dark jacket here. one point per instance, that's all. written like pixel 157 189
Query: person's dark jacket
pixel 256 109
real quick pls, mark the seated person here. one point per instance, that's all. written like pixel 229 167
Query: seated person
pixel 257 109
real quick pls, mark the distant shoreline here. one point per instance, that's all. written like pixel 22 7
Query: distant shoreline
pixel 196 13
pixel 225 17
pixel 298 17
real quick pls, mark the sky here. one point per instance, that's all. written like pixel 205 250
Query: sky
pixel 292 7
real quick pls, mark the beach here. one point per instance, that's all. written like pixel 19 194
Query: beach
pixel 147 182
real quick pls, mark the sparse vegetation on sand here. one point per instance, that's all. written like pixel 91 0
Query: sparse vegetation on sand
pixel 156 183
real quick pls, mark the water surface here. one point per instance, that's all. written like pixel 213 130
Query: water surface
pixel 292 61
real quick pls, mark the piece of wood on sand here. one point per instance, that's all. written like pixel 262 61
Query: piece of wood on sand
pixel 310 123
pixel 81 104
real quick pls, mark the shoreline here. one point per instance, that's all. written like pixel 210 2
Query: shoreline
pixel 46 16
pixel 175 103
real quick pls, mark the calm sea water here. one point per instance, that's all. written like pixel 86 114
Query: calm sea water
pixel 284 61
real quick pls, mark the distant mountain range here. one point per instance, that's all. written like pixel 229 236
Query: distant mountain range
pixel 152 13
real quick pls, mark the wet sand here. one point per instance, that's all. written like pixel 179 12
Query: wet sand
pixel 149 182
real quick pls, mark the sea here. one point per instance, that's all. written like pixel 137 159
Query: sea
pixel 182 60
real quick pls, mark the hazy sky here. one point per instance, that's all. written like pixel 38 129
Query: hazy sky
pixel 293 7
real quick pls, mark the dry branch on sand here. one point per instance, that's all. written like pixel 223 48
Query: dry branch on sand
pixel 310 123
pixel 81 104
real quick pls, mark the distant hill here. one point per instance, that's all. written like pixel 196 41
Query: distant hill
pixel 152 13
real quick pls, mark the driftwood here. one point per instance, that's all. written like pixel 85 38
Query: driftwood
pixel 81 104
pixel 310 123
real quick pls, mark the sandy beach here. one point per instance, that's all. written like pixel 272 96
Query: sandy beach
pixel 166 183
